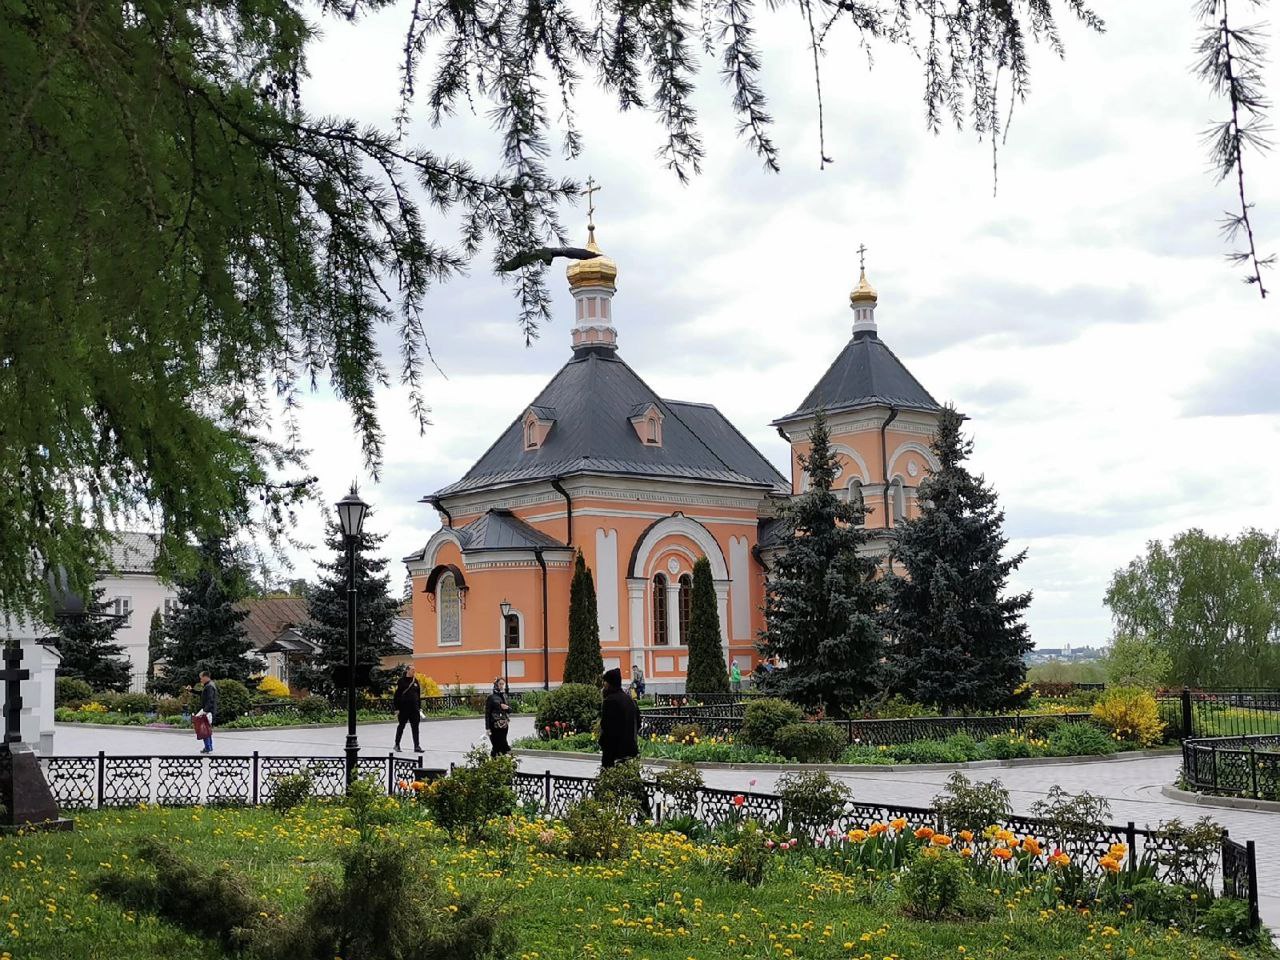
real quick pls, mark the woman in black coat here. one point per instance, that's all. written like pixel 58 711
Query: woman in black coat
pixel 497 717
pixel 408 706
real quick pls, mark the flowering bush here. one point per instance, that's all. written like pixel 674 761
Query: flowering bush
pixel 429 687
pixel 1131 714
pixel 572 708
pixel 273 687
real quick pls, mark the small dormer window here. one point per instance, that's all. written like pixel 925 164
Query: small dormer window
pixel 538 422
pixel 646 419
pixel 652 430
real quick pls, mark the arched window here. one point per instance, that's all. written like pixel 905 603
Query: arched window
pixel 855 492
pixel 511 631
pixel 660 610
pixel 686 606
pixel 530 434
pixel 653 429
pixel 449 610
pixel 898 496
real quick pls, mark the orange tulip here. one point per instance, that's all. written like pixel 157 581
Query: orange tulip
pixel 1001 853
pixel 924 833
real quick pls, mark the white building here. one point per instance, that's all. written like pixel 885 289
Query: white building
pixel 40 659
pixel 135 592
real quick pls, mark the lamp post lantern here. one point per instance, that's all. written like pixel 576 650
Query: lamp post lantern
pixel 351 514
pixel 506 670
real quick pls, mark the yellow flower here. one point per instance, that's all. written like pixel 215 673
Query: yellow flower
pixel 1032 846
pixel 966 836
pixel 1117 851
pixel 857 836
pixel 967 852
pixel 899 824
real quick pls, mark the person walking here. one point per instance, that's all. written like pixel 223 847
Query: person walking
pixel 735 677
pixel 637 681
pixel 208 706
pixel 497 718
pixel 619 722
pixel 408 706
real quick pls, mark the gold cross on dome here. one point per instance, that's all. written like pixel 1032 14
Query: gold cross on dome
pixel 592 189
pixel 862 257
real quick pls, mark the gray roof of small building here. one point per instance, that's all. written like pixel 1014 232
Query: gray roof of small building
pixel 866 373
pixel 133 552
pixel 502 530
pixel 770 532
pixel 593 396
pixel 402 632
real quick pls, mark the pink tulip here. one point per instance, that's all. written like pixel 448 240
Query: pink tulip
pixel 768 844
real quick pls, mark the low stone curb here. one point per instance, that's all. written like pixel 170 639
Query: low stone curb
pixel 291 726
pixel 1207 800
pixel 855 767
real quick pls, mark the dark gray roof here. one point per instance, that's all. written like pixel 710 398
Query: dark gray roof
pixel 593 396
pixel 715 430
pixel 543 413
pixel 402 632
pixel 866 373
pixel 770 532
pixel 502 530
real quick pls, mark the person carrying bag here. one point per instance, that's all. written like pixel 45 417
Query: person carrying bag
pixel 408 706
pixel 497 718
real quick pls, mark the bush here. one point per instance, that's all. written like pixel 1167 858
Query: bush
pixel 623 786
pixel 810 742
pixel 1006 746
pixel 1161 903
pixel 384 908
pixel 1074 821
pixel 764 718
pixel 957 748
pixel 108 699
pixel 749 859
pixel 369 806
pixel 291 790
pixel 897 707
pixel 679 786
pixel 1228 919
pixel 473 794
pixel 313 708
pixel 134 703
pixel 935 885
pixel 577 705
pixel 71 692
pixel 205 897
pixel 170 706
pixel 1130 713
pixel 233 700
pixel 597 831
pixel 1040 728
pixel 811 801
pixel 687 733
pixel 966 805
pixel 429 687
pixel 272 687
pixel 1080 740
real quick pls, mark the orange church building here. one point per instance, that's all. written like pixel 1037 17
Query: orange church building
pixel 643 486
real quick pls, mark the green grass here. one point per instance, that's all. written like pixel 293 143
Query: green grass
pixel 662 904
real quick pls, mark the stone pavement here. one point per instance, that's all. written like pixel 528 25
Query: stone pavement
pixel 1131 786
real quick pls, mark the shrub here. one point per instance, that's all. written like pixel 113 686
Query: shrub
pixel 429 687
pixel 623 786
pixel 108 699
pixel 272 687
pixel 965 805
pixel 473 794
pixel 313 708
pixel 368 804
pixel 897 707
pixel 575 704
pixel 206 897
pixel 1188 853
pixel 932 886
pixel 169 706
pixel 748 859
pixel 679 785
pixel 1130 713
pixel 810 742
pixel 1040 728
pixel 1161 903
pixel 764 718
pixel 1075 821
pixel 687 733
pixel 597 831
pixel 71 692
pixel 233 700
pixel 134 703
pixel 811 801
pixel 1080 740
pixel 291 790
pixel 384 908
pixel 957 748
pixel 1228 919
pixel 1006 746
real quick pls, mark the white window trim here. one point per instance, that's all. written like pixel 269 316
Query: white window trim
pixel 502 631
pixel 440 641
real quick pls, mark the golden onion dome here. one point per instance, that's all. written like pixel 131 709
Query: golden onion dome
pixel 863 292
pixel 599 271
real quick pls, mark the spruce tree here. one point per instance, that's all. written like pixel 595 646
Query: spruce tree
pixel 89 651
pixel 959 636
pixel 206 632
pixel 823 597
pixel 707 672
pixel 155 643
pixel 583 663
pixel 376 611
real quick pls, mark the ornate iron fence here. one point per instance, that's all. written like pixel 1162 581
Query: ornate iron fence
pixel 1220 713
pixel 728 720
pixel 702 699
pixel 1246 766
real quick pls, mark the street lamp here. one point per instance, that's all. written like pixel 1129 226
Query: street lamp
pixel 506 673
pixel 351 514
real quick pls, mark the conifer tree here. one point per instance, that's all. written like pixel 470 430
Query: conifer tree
pixel 206 632
pixel 155 643
pixel 823 598
pixel 583 663
pixel 707 672
pixel 959 636
pixel 89 651
pixel 376 611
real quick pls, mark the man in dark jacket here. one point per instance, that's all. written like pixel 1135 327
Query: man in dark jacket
pixel 208 706
pixel 619 722
pixel 408 706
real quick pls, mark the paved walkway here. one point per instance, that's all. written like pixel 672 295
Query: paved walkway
pixel 1131 786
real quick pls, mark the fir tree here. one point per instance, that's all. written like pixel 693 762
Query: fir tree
pixel 89 651
pixel 376 611
pixel 206 631
pixel 155 643
pixel 707 672
pixel 823 597
pixel 583 663
pixel 959 637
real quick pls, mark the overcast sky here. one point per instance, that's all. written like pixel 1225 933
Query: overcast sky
pixel 1121 380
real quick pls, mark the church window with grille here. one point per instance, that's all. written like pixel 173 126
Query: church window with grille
pixel 449 605
pixel 686 606
pixel 660 610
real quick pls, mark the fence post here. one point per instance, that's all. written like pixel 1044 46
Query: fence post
pixel 1131 838
pixel 102 777
pixel 1253 769
pixel 254 776
pixel 1213 757
pixel 546 792
pixel 1251 853
pixel 1187 728
pixel 391 774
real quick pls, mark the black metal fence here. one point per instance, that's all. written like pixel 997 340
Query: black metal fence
pixel 1220 713
pixel 1246 766
pixel 702 699
pixel 97 781
pixel 729 720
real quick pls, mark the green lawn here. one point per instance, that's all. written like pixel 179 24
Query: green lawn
pixel 666 902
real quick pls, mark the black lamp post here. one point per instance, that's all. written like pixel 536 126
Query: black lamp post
pixel 351 514
pixel 506 672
